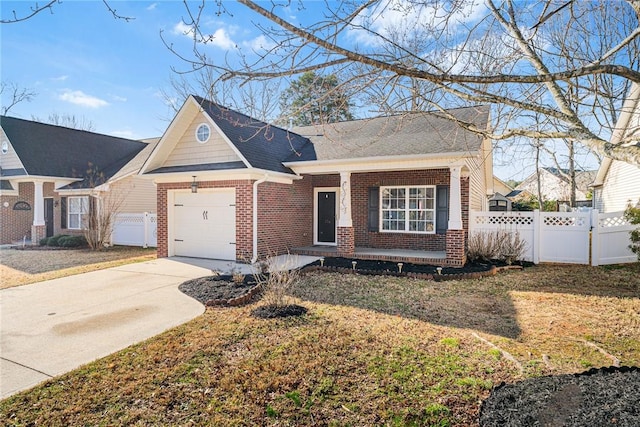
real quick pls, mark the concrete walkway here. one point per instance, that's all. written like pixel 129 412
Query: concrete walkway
pixel 53 327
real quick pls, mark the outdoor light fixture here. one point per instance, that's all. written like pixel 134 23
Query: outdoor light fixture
pixel 194 185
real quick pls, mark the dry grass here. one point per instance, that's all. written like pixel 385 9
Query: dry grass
pixel 20 267
pixel 371 351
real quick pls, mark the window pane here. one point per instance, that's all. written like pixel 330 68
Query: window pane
pixel 74 204
pixel 74 221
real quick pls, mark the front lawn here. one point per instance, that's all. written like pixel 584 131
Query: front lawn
pixel 24 266
pixel 370 351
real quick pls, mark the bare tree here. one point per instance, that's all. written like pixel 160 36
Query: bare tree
pixel 35 8
pixel 14 94
pixel 458 30
pixel 68 120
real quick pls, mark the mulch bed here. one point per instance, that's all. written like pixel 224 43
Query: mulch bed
pixel 598 397
pixel 221 290
pixel 272 312
pixel 468 271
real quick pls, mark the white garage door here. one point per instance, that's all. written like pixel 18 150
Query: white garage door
pixel 204 224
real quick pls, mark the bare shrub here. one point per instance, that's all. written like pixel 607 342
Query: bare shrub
pixel 482 246
pixel 500 244
pixel 512 247
pixel 277 281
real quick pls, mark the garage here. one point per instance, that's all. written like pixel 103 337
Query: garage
pixel 204 224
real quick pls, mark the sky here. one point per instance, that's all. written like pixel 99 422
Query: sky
pixel 81 61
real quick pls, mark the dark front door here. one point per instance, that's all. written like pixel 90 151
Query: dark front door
pixel 326 232
pixel 48 216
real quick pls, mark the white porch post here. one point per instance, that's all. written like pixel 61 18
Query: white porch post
pixel 455 199
pixel 345 219
pixel 38 204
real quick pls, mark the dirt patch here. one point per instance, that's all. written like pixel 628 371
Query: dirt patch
pixel 272 311
pixel 607 396
pixel 19 267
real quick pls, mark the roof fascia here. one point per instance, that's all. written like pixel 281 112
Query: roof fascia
pixel 375 164
pixel 222 175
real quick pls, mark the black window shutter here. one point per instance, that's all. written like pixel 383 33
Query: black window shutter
pixel 374 209
pixel 63 213
pixel 442 208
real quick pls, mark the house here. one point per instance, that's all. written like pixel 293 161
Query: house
pixel 499 186
pixel 555 186
pixel 617 183
pixel 51 176
pixel 231 187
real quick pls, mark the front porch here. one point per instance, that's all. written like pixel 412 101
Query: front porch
pixel 438 258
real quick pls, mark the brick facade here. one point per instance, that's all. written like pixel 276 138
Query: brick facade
pixel 285 214
pixel 15 225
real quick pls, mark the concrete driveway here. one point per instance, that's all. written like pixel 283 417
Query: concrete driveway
pixel 53 327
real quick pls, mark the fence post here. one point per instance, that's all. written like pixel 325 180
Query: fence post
pixel 536 236
pixel 595 237
pixel 145 221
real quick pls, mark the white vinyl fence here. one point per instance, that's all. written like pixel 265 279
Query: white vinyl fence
pixel 135 230
pixel 587 237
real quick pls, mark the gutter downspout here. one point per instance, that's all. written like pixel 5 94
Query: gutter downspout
pixel 255 217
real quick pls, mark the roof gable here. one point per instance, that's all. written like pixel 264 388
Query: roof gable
pixel 56 151
pixel 263 145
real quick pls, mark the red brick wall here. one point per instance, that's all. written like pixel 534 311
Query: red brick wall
pixel 285 217
pixel 14 225
pixel 360 183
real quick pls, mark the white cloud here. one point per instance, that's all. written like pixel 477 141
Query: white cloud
pixel 123 134
pixel 152 6
pixel 260 43
pixel 59 78
pixel 391 16
pixel 219 38
pixel 118 98
pixel 80 98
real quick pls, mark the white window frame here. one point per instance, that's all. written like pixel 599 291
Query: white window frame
pixel 407 209
pixel 197 134
pixel 82 214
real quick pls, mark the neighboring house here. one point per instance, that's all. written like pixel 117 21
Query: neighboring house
pixel 618 183
pixel 554 186
pixel 51 176
pixel 499 186
pixel 234 188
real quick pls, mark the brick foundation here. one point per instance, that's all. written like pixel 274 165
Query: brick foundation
pixel 346 241
pixel 38 232
pixel 456 255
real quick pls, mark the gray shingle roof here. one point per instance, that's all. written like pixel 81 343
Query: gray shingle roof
pixel 56 151
pixel 409 134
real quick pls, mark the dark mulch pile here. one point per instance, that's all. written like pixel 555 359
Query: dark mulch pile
pixel 216 288
pixel 390 267
pixel 271 311
pixel 598 397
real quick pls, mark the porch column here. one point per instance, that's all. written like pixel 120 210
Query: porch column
pixel 455 238
pixel 455 199
pixel 38 229
pixel 345 237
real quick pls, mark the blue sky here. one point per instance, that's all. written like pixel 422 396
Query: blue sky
pixel 83 62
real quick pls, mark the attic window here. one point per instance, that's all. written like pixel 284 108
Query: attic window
pixel 5 147
pixel 202 133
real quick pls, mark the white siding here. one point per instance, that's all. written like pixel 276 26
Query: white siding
pixel 11 159
pixel 477 188
pixel 138 195
pixel 188 151
pixel 621 185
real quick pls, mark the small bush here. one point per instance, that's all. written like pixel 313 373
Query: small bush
pixel 55 240
pixel 43 241
pixel 632 214
pixel 72 242
pixel 482 246
pixel 500 244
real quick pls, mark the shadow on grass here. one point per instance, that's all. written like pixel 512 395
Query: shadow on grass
pixel 485 305
pixel 460 304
